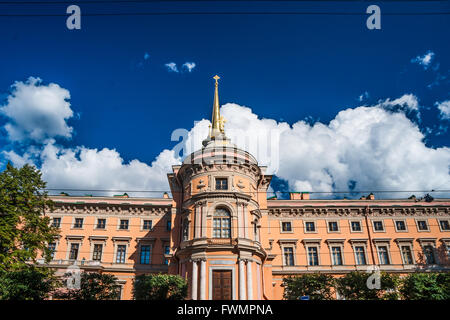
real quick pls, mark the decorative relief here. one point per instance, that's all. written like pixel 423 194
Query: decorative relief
pixel 355 212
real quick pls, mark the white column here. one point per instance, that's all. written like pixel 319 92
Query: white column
pixel 203 217
pixel 258 280
pixel 203 279
pixel 241 280
pixel 198 223
pixel 246 226
pixel 240 221
pixel 249 281
pixel 194 280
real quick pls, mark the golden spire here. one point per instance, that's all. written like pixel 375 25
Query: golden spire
pixel 216 119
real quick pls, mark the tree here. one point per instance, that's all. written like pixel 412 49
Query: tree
pixel 24 230
pixel 27 284
pixel 317 286
pixel 426 286
pixel 93 286
pixel 159 287
pixel 353 286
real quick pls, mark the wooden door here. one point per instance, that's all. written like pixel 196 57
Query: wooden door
pixel 222 285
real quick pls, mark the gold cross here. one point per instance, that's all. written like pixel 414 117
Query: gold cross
pixel 216 77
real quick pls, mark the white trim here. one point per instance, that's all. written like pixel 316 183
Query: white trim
pixel 233 280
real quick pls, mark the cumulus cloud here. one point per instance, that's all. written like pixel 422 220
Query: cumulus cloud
pixel 171 67
pixel 365 148
pixel 444 108
pixel 37 112
pixel 189 66
pixel 424 60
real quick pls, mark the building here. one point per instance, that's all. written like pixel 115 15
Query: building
pixel 221 233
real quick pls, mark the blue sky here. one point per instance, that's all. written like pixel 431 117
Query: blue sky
pixel 284 67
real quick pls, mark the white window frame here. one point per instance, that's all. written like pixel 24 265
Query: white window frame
pixel 144 243
pixel 60 221
pixel 288 243
pixel 119 221
pixel 395 225
pixel 426 222
pixel 361 243
pixel 285 221
pixel 382 223
pixel 388 251
pixel 410 245
pixel 74 221
pixel 338 226
pixel 439 223
pixel 360 225
pixel 142 224
pixel 308 221
pixel 96 223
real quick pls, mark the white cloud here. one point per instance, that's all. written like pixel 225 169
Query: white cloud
pixel 444 108
pixel 424 60
pixel 189 66
pixel 363 96
pixel 172 67
pixel 37 112
pixel 370 147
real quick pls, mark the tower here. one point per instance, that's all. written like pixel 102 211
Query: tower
pixel 219 195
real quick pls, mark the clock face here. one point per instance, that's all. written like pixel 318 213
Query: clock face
pixel 335 98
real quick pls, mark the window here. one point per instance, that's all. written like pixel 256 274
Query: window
pixel 356 226
pixel 221 224
pixel 400 225
pixel 360 255
pixel 333 226
pixel 74 251
pixel 221 184
pixel 445 226
pixel 336 254
pixel 52 249
pixel 145 254
pixel 78 223
pixel 407 255
pixel 383 255
pixel 166 262
pixel 97 253
pixel 286 226
pixel 56 222
pixel 166 249
pixel 378 226
pixel 429 254
pixel 123 224
pixel 121 252
pixel 422 225
pixel 310 226
pixel 168 225
pixel 313 257
pixel 147 225
pixel 185 230
pixel 288 256
pixel 101 223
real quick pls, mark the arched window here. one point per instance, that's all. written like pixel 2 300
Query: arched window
pixel 222 223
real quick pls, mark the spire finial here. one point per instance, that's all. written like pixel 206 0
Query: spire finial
pixel 217 120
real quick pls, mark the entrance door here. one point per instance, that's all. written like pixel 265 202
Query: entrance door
pixel 221 284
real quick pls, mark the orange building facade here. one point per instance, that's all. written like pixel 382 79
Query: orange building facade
pixel 221 233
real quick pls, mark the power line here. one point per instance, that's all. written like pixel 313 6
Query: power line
pixel 104 14
pixel 162 1
pixel 248 192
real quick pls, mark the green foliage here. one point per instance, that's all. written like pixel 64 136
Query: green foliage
pixel 317 286
pixel 159 287
pixel 24 230
pixel 353 286
pixel 27 284
pixel 426 286
pixel 93 286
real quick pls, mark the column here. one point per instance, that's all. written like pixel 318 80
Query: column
pixel 258 280
pixel 197 222
pixel 240 221
pixel 183 270
pixel 203 217
pixel 194 280
pixel 246 226
pixel 249 281
pixel 241 280
pixel 203 279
